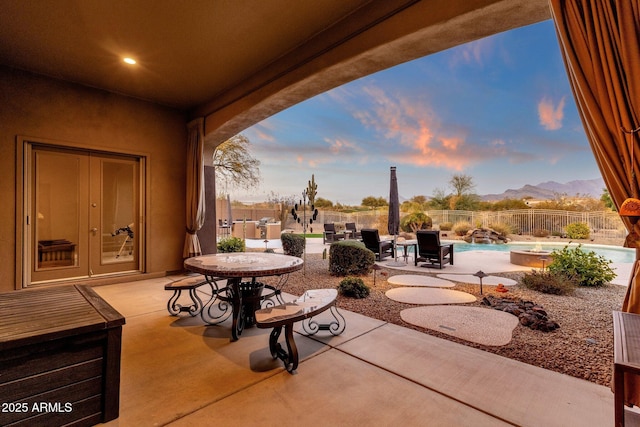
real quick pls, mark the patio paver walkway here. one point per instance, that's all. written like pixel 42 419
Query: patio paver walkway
pixel 429 296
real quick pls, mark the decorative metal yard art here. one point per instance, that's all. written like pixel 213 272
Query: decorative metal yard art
pixel 299 213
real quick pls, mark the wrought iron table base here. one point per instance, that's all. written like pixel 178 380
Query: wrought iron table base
pixel 290 356
pixel 239 300
pixel 312 303
pixel 336 327
pixel 174 308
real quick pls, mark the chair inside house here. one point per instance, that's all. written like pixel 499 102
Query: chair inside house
pixel 355 234
pixel 330 234
pixel 371 240
pixel 224 228
pixel 431 250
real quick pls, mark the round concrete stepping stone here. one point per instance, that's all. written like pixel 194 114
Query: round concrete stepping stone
pixel 416 280
pixel 470 278
pixel 429 296
pixel 480 325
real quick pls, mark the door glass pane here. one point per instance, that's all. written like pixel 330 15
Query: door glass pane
pixel 57 210
pixel 118 212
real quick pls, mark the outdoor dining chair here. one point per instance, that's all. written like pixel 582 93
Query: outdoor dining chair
pixel 351 226
pixel 330 234
pixel 430 249
pixel 371 239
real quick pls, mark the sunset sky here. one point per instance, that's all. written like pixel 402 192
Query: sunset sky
pixel 499 110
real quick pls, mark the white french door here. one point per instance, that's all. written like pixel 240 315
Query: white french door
pixel 84 214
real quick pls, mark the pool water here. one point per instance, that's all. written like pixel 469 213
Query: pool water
pixel 612 253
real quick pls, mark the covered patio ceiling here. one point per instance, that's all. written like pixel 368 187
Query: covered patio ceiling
pixel 238 62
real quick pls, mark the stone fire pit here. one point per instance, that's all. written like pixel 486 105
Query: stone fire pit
pixel 531 258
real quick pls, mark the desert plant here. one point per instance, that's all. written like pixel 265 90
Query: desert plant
pixel 540 232
pixel 292 244
pixel 461 228
pixel 578 230
pixel 501 228
pixel 231 244
pixel 445 226
pixel 415 221
pixel 588 268
pixel 381 222
pixel 350 257
pixel 549 283
pixel 353 287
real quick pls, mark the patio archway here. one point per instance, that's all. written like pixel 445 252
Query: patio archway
pixel 388 34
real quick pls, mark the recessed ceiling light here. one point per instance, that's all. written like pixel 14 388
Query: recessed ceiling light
pixel 129 61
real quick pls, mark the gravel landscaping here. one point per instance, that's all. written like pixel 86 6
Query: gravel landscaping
pixel 581 347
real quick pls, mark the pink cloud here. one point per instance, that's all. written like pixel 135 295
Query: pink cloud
pixel 264 130
pixel 412 133
pixel 417 129
pixel 474 52
pixel 342 146
pixel 550 115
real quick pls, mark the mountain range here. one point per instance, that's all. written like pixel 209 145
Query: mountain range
pixel 549 190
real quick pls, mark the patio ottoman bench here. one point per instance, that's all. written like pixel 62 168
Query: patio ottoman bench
pixel 311 303
pixel 189 284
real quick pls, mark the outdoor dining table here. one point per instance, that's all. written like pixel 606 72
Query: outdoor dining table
pixel 245 296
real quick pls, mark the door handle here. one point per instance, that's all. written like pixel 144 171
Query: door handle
pixel 94 231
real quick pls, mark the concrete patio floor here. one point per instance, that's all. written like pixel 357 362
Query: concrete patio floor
pixel 179 372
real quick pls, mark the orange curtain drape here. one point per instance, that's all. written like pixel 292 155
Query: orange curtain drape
pixel 600 44
pixel 195 188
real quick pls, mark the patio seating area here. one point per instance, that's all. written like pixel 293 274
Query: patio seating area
pixel 177 371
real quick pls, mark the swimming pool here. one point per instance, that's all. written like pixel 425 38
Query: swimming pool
pixel 612 253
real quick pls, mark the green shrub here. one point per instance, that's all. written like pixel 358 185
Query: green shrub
pixel 231 244
pixel 578 230
pixel 415 221
pixel 446 226
pixel 461 228
pixel 549 283
pixel 588 268
pixel 353 287
pixel 292 244
pixel 350 257
pixel 540 232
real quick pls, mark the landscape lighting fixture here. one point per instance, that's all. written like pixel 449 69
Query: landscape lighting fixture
pixel 480 274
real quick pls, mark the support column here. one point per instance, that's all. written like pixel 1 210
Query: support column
pixel 209 232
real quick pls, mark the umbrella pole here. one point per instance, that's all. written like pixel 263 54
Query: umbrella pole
pixel 395 246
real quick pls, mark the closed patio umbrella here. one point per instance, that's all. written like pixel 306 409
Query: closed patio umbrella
pixel 393 223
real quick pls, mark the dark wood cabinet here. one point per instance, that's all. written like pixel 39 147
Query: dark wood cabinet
pixel 59 357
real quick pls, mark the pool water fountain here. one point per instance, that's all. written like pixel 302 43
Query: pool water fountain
pixel 485 236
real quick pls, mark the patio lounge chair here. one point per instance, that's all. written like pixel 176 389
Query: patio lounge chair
pixel 330 234
pixel 430 249
pixel 371 240
pixel 351 226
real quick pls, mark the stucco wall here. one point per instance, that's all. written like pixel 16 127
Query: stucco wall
pixel 50 110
